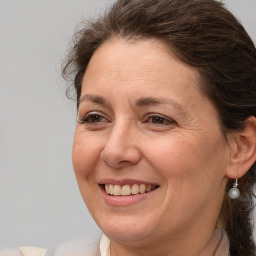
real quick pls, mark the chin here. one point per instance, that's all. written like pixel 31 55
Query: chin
pixel 127 229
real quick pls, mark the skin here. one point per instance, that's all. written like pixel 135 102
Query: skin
pixel 175 143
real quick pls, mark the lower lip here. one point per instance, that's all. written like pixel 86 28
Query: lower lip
pixel 125 200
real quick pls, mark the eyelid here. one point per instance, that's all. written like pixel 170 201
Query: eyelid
pixel 82 119
pixel 165 118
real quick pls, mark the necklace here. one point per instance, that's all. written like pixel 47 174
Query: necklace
pixel 112 246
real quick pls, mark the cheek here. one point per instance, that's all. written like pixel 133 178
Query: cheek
pixel 170 155
pixel 78 156
pixel 193 172
pixel 84 156
pixel 188 156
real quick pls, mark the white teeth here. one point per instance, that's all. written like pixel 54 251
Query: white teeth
pixel 135 189
pixel 117 190
pixel 111 189
pixel 142 188
pixel 127 190
pixel 107 188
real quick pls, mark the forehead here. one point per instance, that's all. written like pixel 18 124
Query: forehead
pixel 145 60
pixel 142 68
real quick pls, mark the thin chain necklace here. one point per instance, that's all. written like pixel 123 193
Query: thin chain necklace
pixel 111 245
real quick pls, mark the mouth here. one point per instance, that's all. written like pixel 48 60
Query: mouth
pixel 128 189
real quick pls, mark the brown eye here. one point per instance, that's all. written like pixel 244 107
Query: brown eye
pixel 159 120
pixel 92 118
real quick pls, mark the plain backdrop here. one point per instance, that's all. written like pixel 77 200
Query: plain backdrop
pixel 40 202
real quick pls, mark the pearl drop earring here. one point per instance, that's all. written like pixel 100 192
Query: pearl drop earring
pixel 234 192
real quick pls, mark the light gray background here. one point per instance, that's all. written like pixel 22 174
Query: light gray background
pixel 39 200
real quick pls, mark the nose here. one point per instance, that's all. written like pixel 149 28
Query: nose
pixel 122 147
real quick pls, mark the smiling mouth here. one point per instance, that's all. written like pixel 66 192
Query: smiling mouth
pixel 128 190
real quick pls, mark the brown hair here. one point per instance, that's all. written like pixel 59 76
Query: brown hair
pixel 205 35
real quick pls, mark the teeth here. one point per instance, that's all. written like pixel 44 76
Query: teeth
pixel 148 188
pixel 111 189
pixel 135 189
pixel 127 190
pixel 142 188
pixel 107 188
pixel 117 190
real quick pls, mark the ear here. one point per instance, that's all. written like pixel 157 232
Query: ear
pixel 242 150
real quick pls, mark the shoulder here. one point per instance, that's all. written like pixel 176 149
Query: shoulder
pixel 79 247
pixel 10 252
pixel 24 251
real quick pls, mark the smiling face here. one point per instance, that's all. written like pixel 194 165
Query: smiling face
pixel 147 132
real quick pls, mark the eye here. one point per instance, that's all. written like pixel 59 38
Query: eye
pixel 159 119
pixel 92 117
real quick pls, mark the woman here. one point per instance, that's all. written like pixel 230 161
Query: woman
pixel 166 133
pixel 165 146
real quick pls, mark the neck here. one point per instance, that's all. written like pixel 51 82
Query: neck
pixel 204 246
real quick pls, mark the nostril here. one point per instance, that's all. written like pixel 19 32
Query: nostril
pixel 116 156
pixel 120 159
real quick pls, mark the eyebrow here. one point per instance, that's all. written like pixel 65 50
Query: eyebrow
pixel 149 101
pixel 94 98
pixel 141 102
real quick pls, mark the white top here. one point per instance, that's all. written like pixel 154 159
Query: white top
pixel 104 246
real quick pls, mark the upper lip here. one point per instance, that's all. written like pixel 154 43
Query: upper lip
pixel 125 182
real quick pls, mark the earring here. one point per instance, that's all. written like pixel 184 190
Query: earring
pixel 234 192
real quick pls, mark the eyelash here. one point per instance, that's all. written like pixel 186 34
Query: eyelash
pixel 164 120
pixel 155 119
pixel 88 118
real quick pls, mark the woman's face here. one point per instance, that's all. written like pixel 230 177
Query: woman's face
pixel 143 123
